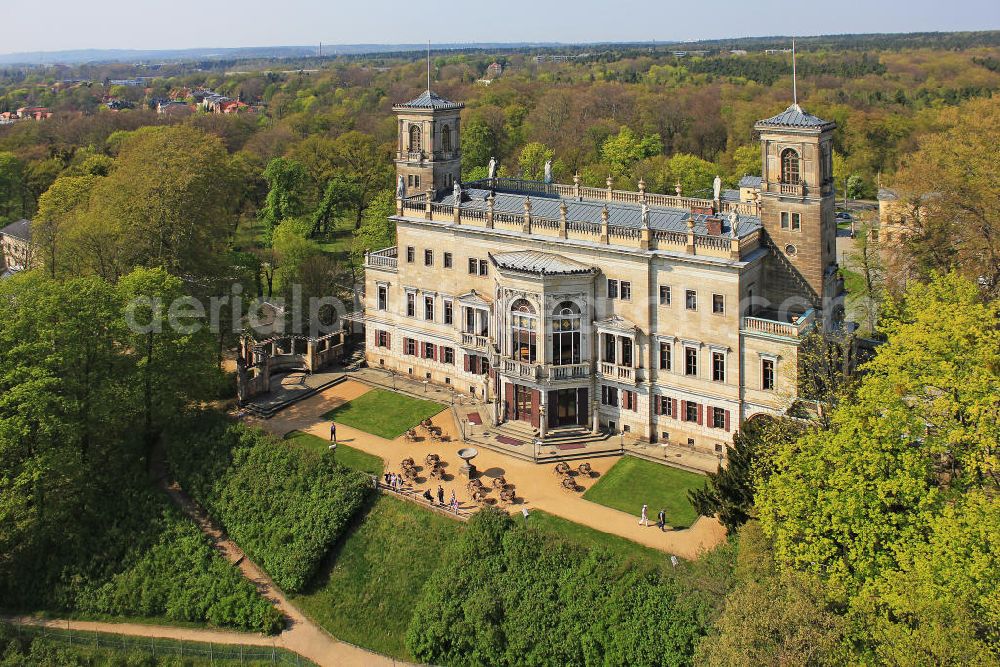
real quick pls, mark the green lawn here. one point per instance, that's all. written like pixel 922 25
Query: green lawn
pixel 591 538
pixel 346 455
pixel 384 413
pixel 373 578
pixel 633 481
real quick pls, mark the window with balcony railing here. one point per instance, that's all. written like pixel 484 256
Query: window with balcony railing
pixel 566 334
pixel 790 164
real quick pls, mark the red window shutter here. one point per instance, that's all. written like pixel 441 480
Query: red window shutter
pixel 406 345
pixel 423 349
pixel 388 339
pixel 536 398
pixel 727 420
pixel 674 413
pixel 701 414
pixel 684 411
pixel 656 404
pixel 467 358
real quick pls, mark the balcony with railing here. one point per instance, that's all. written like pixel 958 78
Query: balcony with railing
pixel 618 373
pixel 568 371
pixel 519 369
pixel 794 326
pixel 385 259
pixel 476 342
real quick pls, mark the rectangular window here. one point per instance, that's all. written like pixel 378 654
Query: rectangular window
pixel 626 352
pixel 690 412
pixel 665 361
pixel 767 374
pixel 449 313
pixel 429 349
pixel 447 260
pixel 796 221
pixel 416 180
pixel 428 308
pixel 666 406
pixel 691 300
pixel 784 219
pixel 449 355
pixel 410 253
pixel 718 418
pixel 383 297
pixel 625 290
pixel 612 289
pixel 664 295
pixel 690 361
pixel 610 345
pixel 409 346
pixel 628 399
pixel 719 366
pixel 428 258
pixel 483 267
pixel 718 304
pixel 473 266
pixel 382 338
pixel 609 396
pixel 411 304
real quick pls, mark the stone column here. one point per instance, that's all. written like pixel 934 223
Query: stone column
pixel 489 212
pixel 595 417
pixel 428 211
pixel 543 410
pixel 610 183
pixel 526 227
pixel 604 225
pixel 690 236
pixel 563 230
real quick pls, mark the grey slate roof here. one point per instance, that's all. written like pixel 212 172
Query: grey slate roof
pixel 886 194
pixel 429 100
pixel 544 263
pixel 20 229
pixel 729 195
pixel 751 181
pixel 794 116
pixel 619 214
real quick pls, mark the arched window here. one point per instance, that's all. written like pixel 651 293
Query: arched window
pixel 414 137
pixel 566 334
pixel 523 331
pixel 446 138
pixel 789 167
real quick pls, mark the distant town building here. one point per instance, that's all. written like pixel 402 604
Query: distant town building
pixel 15 246
pixel 494 70
pixel 168 108
pixel 137 82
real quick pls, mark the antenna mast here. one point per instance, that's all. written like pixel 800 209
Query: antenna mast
pixel 795 85
pixel 428 65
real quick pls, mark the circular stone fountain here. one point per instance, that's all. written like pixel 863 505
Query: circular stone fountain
pixel 467 454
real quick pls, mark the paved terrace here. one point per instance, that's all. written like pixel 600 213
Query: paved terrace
pixel 537 486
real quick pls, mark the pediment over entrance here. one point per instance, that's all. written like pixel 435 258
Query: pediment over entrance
pixel 617 323
pixel 473 299
pixel 540 263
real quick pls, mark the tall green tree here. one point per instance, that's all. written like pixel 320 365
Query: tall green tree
pixel 286 182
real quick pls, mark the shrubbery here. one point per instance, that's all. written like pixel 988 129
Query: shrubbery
pixel 509 596
pixel 284 509
pixel 182 579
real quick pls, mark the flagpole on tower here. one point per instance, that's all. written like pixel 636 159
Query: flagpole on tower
pixel 795 85
pixel 428 65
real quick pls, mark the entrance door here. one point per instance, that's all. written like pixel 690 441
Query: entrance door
pixel 566 409
pixel 522 402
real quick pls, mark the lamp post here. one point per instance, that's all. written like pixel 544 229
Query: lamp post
pixel 537 443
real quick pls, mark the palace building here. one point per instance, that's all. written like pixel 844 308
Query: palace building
pixel 567 308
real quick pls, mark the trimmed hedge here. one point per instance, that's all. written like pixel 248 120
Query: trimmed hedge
pixel 285 509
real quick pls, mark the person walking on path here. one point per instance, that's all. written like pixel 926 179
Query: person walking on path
pixel 333 433
pixel 454 502
pixel 440 495
pixel 643 519
pixel 661 520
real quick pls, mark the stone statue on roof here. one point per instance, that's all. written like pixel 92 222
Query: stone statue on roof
pixel 733 222
pixel 400 187
pixel 493 168
pixel 457 191
pixel 548 171
pixel 717 188
pixel 645 215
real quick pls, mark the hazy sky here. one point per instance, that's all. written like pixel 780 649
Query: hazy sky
pixel 48 25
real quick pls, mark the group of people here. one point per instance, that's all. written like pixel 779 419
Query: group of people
pixel 394 481
pixel 661 518
pixel 452 503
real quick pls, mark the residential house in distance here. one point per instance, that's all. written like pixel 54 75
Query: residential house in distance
pixel 569 310
pixel 494 70
pixel 15 246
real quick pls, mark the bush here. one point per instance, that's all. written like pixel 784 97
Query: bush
pixel 182 579
pixel 284 509
pixel 505 595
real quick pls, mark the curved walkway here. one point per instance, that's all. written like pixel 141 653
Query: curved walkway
pixel 301 635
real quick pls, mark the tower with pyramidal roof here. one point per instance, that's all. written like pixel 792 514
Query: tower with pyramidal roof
pixel 428 149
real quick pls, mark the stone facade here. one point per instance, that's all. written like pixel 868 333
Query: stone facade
pixel 566 307
pixel 15 246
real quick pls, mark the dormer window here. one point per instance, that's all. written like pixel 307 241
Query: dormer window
pixel 789 167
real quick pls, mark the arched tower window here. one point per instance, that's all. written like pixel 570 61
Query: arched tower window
pixel 566 334
pixel 789 167
pixel 523 331
pixel 446 138
pixel 414 137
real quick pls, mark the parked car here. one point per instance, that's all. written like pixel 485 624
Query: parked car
pixel 843 215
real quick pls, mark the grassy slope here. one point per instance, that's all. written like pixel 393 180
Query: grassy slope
pixel 384 413
pixel 632 482
pixel 373 578
pixel 346 455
